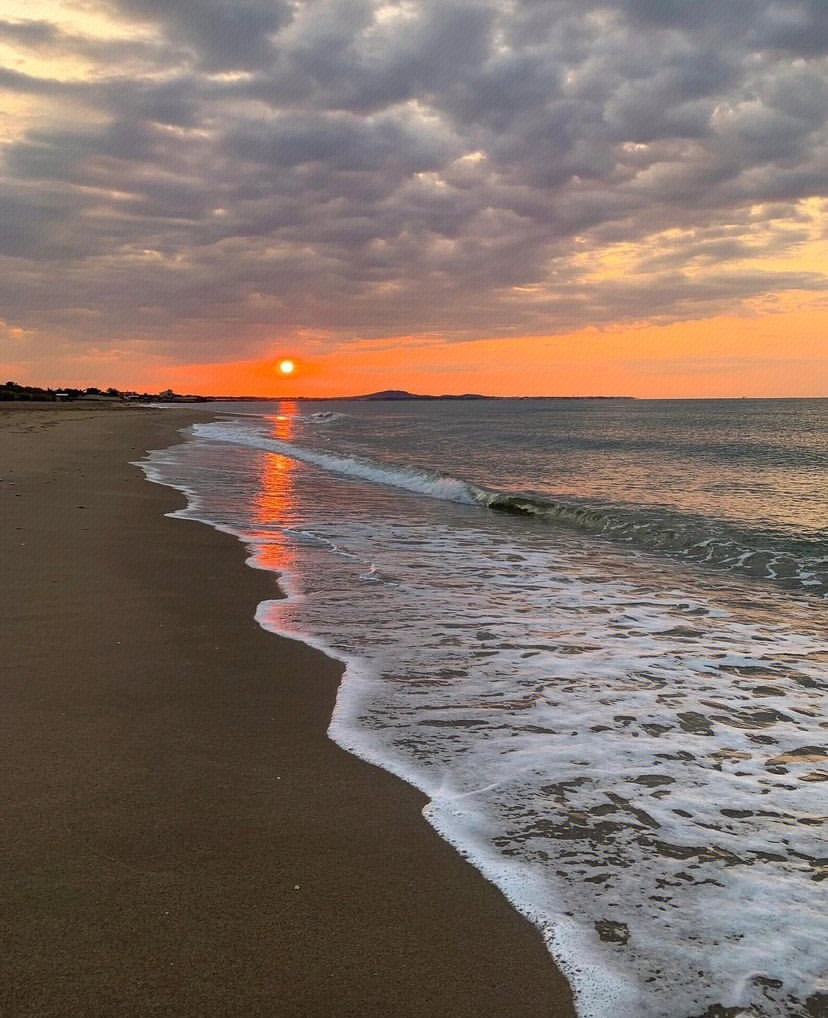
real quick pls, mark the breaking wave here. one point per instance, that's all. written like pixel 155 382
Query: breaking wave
pixel 798 562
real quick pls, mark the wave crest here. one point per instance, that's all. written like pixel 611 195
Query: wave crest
pixel 794 562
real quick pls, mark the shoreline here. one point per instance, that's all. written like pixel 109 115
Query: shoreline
pixel 181 835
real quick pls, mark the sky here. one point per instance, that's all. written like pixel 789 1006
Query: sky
pixel 515 197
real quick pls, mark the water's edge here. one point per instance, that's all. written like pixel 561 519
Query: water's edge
pixel 488 865
pixel 591 981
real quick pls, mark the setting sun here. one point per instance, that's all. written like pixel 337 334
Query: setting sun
pixel 287 367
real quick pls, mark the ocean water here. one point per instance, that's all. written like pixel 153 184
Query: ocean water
pixel 595 634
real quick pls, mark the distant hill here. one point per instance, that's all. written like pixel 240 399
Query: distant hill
pixel 399 394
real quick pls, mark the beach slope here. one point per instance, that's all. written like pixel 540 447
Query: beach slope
pixel 178 835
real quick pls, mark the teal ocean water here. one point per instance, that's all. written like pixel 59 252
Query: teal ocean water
pixel 595 633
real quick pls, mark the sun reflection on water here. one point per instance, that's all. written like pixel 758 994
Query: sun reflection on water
pixel 276 498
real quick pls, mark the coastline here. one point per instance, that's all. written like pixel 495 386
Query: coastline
pixel 180 835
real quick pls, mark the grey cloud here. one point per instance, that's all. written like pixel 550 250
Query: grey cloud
pixel 18 81
pixel 691 16
pixel 45 39
pixel 37 228
pixel 799 26
pixel 799 92
pixel 719 251
pixel 340 141
pixel 222 35
pixel 334 56
pixel 29 33
pixel 177 101
pixel 674 99
pixel 313 166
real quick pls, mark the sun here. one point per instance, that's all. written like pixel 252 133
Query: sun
pixel 287 366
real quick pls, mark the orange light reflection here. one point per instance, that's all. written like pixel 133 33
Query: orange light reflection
pixel 275 501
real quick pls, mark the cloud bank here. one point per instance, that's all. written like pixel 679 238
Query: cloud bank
pixel 209 178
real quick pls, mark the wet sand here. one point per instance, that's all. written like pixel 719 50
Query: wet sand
pixel 178 836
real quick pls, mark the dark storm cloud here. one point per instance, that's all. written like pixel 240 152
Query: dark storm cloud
pixel 356 168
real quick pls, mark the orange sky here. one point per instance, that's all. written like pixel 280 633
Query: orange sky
pixel 764 354
pixel 769 355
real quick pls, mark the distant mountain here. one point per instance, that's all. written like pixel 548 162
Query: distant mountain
pixel 398 394
pixel 390 394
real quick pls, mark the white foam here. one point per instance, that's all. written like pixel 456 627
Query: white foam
pixel 579 720
pixel 327 417
pixel 421 482
pixel 486 745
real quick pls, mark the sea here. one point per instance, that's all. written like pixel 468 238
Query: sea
pixel 594 632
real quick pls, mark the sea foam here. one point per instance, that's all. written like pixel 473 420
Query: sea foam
pixel 628 749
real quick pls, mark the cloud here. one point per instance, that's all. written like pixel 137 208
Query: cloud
pixel 215 174
pixel 221 35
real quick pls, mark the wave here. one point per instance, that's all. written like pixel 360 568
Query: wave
pixel 421 482
pixel 327 417
pixel 798 562
pixel 792 561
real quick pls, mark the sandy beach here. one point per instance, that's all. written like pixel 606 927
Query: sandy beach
pixel 179 837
